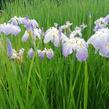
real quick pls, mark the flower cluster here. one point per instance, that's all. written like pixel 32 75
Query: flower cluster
pixel 72 42
pixel 31 25
pixel 100 39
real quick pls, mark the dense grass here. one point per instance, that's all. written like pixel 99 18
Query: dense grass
pixel 60 83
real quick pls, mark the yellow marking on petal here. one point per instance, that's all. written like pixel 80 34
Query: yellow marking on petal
pixel 30 33
pixel 107 45
pixel 81 46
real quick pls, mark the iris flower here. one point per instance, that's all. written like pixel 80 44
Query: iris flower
pixel 31 53
pixel 75 44
pixel 67 25
pixel 106 19
pixel 48 52
pixel 78 31
pixel 9 29
pixel 32 30
pixel 100 41
pixel 41 53
pixel 24 21
pixel 12 53
pixel 33 34
pixel 101 23
pixel 31 25
pixel 53 35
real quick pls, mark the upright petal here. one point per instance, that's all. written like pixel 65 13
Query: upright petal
pixel 49 53
pixel 25 36
pixel 34 23
pixel 9 48
pixel 41 54
pixel 31 53
pixel 37 33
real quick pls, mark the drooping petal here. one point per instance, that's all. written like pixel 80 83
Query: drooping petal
pixel 10 29
pixel 106 19
pixel 104 51
pixel 99 38
pixel 52 35
pixel 56 41
pixel 48 37
pixel 67 49
pixel 15 30
pixel 82 54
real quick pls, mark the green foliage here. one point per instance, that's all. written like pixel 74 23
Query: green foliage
pixel 60 83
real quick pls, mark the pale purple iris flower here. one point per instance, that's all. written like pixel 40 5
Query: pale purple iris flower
pixel 46 52
pixel 75 44
pixel 49 53
pixel 100 24
pixel 52 35
pixel 67 25
pixel 31 53
pixel 82 54
pixel 25 36
pixel 100 41
pixel 106 19
pixel 13 21
pixel 31 25
pixel 28 23
pixel 37 33
pixel 68 46
pixel 81 50
pixel 12 53
pixel 34 23
pixel 32 29
pixel 41 53
pixel 20 20
pixel 78 31
pixel 9 29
